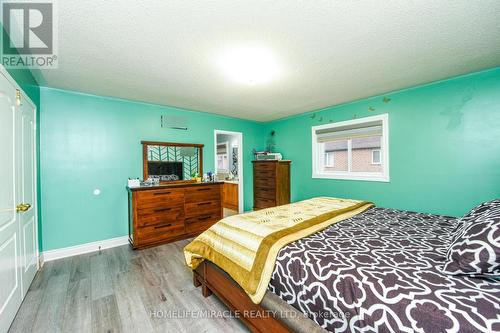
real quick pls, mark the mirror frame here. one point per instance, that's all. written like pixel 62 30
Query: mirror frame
pixel 145 145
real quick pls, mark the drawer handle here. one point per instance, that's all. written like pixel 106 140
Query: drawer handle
pixel 161 193
pixel 162 210
pixel 203 189
pixel 204 218
pixel 163 226
pixel 204 203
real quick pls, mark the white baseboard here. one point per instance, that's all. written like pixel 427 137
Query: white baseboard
pixel 83 248
pixel 40 260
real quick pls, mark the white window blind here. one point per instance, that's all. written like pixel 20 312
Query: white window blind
pixel 336 134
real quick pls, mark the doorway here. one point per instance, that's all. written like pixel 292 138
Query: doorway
pixel 228 158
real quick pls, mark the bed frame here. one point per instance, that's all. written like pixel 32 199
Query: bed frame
pixel 255 317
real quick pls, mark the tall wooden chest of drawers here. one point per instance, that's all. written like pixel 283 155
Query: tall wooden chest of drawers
pixel 271 183
pixel 166 213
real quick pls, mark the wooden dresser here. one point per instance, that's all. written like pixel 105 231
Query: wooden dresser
pixel 271 183
pixel 166 213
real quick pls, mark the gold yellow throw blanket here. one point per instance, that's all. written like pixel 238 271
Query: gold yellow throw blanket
pixel 246 245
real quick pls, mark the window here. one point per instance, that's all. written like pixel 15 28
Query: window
pixel 355 149
pixel 376 156
pixel 329 159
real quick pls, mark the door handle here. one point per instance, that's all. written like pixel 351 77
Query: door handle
pixel 22 208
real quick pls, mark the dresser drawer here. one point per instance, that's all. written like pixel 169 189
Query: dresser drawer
pixel 264 192
pixel 195 209
pixel 264 182
pixel 151 198
pixel 199 227
pixel 263 203
pixel 201 223
pixel 158 233
pixel 159 207
pixel 259 173
pixel 159 216
pixel 264 166
pixel 143 207
pixel 214 216
pixel 202 194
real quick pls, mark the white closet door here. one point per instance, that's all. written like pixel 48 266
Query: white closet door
pixel 10 270
pixel 26 194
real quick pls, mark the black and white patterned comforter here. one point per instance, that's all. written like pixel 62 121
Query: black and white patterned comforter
pixel 380 271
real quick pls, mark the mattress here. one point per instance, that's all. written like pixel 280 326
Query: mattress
pixel 380 272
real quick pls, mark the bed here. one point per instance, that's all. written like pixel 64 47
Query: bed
pixel 378 271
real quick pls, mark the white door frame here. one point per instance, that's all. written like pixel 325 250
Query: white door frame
pixel 239 138
pixel 26 99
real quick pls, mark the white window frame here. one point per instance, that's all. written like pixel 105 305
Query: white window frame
pixel 318 152
pixel 380 154
pixel 332 154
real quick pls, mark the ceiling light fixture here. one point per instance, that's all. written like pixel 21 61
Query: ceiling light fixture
pixel 249 65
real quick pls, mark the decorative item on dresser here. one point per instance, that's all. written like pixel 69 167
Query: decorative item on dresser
pixel 271 183
pixel 166 213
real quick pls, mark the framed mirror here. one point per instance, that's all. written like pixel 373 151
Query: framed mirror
pixel 172 161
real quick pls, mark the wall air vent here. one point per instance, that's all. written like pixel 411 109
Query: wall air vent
pixel 174 122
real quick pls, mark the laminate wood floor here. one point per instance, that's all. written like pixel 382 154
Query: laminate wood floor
pixel 121 290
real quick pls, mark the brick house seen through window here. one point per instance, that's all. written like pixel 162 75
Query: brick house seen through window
pixel 363 150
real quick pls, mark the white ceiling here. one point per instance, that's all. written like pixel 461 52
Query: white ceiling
pixel 328 52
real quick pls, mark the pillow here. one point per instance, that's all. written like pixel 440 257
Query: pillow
pixel 470 218
pixel 475 249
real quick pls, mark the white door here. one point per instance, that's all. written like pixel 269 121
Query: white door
pixel 26 192
pixel 10 270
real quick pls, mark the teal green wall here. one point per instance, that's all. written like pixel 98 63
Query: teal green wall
pixel 444 146
pixel 90 142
